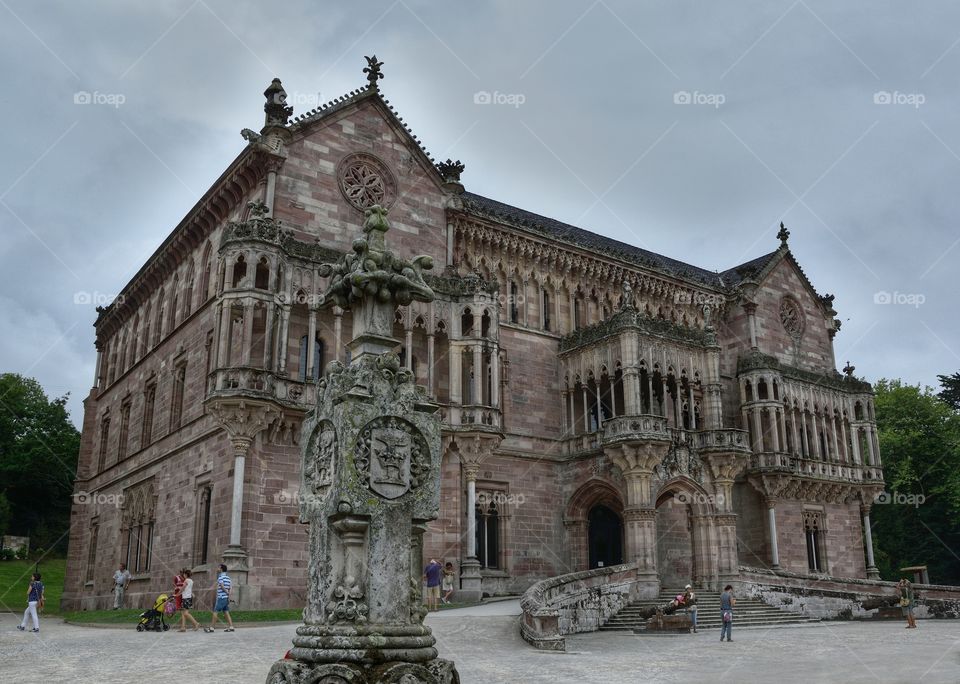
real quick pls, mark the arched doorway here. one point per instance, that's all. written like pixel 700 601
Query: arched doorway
pixel 604 537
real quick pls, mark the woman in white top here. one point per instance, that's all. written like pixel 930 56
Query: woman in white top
pixel 186 595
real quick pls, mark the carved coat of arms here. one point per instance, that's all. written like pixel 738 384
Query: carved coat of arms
pixel 391 456
pixel 390 461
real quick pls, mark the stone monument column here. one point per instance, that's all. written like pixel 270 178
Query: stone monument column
pixel 370 483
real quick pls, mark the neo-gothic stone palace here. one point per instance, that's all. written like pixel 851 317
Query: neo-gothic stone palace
pixel 600 403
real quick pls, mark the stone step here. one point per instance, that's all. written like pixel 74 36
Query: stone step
pixel 748 612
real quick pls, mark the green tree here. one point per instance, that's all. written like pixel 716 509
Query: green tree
pixel 4 514
pixel 38 459
pixel 950 389
pixel 917 521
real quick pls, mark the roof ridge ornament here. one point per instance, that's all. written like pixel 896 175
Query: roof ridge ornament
pixel 848 369
pixel 783 235
pixel 372 70
pixel 451 170
pixel 276 109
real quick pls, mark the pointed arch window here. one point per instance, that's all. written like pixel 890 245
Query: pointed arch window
pixel 317 358
pixel 816 543
pixel 546 310
pixel 488 532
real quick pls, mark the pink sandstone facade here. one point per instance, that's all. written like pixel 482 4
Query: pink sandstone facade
pixel 601 403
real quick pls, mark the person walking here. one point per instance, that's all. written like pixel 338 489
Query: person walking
pixel 447 584
pixel 727 602
pixel 121 578
pixel 907 601
pixel 186 602
pixel 223 587
pixel 178 588
pixel 34 602
pixel 690 601
pixel 432 574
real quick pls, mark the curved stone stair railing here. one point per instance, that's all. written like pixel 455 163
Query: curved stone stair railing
pixel 577 602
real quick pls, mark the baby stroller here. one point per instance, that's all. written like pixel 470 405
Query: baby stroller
pixel 152 619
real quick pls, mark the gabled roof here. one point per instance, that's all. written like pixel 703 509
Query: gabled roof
pixel 303 122
pixel 558 230
pixel 748 270
pixel 756 270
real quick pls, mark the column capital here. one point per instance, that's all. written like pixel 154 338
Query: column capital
pixel 241 446
pixel 631 513
pixel 242 419
pixel 470 471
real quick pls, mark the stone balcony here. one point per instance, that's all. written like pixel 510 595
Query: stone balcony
pixel 724 439
pixel 639 428
pixel 246 381
pixel 781 462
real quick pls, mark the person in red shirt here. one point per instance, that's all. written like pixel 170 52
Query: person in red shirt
pixel 178 582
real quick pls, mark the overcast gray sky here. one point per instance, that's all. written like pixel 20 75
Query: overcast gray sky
pixel 689 128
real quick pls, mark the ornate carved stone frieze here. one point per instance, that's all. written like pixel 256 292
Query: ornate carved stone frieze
pixel 755 360
pixel 629 319
pixel 680 461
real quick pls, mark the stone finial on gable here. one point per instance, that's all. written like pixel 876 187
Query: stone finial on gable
pixel 276 109
pixel 783 235
pixel 451 170
pixel 848 369
pixel 372 70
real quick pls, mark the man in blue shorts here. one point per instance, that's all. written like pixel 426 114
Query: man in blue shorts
pixel 433 573
pixel 224 587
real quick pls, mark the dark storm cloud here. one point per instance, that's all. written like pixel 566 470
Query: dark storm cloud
pixel 692 129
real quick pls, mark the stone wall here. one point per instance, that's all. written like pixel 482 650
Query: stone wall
pixel 826 597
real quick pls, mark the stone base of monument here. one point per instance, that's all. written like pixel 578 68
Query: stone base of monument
pixel 667 624
pixel 436 671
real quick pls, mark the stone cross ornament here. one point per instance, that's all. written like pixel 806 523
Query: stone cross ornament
pixel 370 483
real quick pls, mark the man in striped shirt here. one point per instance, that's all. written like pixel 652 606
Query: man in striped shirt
pixel 223 587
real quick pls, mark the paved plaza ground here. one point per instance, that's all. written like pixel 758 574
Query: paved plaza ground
pixel 484 643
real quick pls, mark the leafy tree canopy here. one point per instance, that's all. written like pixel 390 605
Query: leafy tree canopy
pixel 38 461
pixel 918 522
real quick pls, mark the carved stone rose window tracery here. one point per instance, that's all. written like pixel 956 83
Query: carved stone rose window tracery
pixel 791 316
pixel 365 181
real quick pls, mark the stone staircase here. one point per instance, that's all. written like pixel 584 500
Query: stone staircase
pixel 747 613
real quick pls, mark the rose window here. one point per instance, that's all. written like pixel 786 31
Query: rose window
pixel 365 181
pixel 791 317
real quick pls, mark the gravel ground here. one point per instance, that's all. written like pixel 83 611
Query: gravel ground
pixel 485 645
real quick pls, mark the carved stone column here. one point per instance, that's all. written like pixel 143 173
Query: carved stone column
pixel 431 357
pixel 771 487
pixel 637 457
pixel 872 571
pixel 751 310
pixel 726 456
pixel 242 420
pixel 470 579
